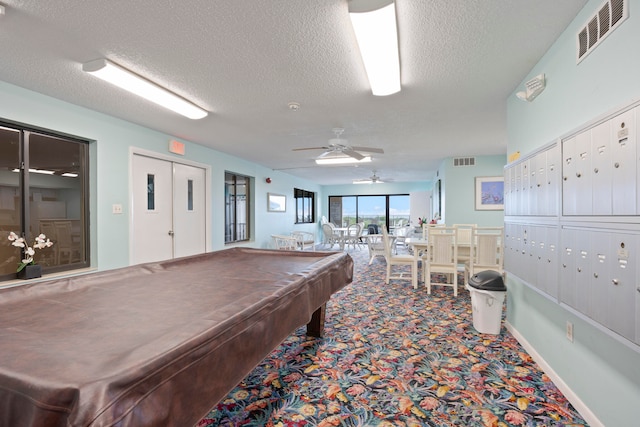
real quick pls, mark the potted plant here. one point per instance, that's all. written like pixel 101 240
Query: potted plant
pixel 28 269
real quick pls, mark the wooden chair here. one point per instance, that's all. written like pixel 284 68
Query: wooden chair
pixel 398 261
pixel 442 257
pixel 465 232
pixel 487 252
pixel 283 242
pixel 426 228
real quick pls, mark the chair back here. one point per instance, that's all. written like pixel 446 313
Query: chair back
pixel 464 233
pixel 386 242
pixel 430 229
pixel 284 242
pixel 327 231
pixel 488 249
pixel 443 247
pixel 373 229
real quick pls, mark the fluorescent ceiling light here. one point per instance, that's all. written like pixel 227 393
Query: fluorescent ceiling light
pixel 342 160
pixel 377 37
pixel 40 171
pixel 367 181
pixel 127 80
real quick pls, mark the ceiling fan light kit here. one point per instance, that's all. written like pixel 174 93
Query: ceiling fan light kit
pixel 341 160
pixel 131 82
pixel 374 24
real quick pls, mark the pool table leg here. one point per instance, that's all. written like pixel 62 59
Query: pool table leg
pixel 315 327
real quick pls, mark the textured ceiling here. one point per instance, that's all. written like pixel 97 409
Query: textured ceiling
pixel 246 60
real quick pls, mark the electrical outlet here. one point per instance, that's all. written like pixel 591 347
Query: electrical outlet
pixel 569 331
pixel 117 209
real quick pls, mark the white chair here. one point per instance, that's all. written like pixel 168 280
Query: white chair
pixel 330 236
pixel 487 252
pixel 305 240
pixel 352 235
pixel 401 234
pixel 464 241
pixel 398 261
pixel 375 246
pixel 283 242
pixel 442 257
pixel 426 228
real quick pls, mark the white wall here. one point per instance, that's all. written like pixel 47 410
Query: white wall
pixel 602 371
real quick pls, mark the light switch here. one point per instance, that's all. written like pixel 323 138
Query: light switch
pixel 117 209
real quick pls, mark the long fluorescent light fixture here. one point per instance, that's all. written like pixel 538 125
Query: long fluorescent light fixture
pixel 127 80
pixel 342 160
pixel 377 36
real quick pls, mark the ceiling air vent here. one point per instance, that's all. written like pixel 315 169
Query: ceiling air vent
pixel 610 15
pixel 464 161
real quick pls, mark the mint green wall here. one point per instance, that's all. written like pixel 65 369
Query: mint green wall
pixel 458 188
pixel 110 173
pixel 602 371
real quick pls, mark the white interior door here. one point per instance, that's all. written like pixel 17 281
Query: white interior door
pixel 189 219
pixel 169 212
pixel 152 210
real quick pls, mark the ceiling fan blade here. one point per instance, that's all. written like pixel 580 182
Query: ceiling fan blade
pixel 369 149
pixel 310 148
pixel 353 154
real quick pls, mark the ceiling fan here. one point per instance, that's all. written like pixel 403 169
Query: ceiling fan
pixel 338 146
pixel 373 179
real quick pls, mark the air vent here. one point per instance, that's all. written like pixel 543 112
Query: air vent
pixel 610 15
pixel 464 161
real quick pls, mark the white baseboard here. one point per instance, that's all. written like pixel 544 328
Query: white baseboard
pixel 577 403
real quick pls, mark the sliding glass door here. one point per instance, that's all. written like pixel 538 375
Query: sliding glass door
pixel 389 210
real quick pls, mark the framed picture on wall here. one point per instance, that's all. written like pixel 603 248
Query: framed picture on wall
pixel 489 193
pixel 276 202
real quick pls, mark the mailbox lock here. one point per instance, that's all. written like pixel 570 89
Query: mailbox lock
pixel 616 165
pixel 579 270
pixel 595 170
pixel 596 275
pixel 578 174
pixel 615 282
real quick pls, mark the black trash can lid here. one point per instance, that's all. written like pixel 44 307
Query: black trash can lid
pixel 487 280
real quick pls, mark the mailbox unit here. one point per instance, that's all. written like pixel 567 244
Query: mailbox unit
pixel 572 222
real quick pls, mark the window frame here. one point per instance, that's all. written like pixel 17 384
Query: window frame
pixel 233 233
pixel 26 136
pixel 305 202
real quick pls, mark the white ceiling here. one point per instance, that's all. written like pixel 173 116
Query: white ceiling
pixel 246 60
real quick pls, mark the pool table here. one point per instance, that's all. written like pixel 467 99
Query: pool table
pixel 155 344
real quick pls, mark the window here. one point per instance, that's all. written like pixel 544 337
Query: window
pixel 389 210
pixel 43 189
pixel 305 206
pixel 237 205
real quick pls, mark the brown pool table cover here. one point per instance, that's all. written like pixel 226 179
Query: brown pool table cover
pixel 157 344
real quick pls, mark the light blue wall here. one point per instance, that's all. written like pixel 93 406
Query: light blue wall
pixel 110 173
pixel 602 371
pixel 458 188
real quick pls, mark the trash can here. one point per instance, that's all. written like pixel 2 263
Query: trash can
pixel 487 296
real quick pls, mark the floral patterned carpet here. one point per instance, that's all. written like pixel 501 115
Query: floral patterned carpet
pixel 395 356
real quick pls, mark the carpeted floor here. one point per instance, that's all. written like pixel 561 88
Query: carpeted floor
pixel 395 356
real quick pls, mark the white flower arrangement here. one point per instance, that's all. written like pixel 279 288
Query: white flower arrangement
pixel 41 242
